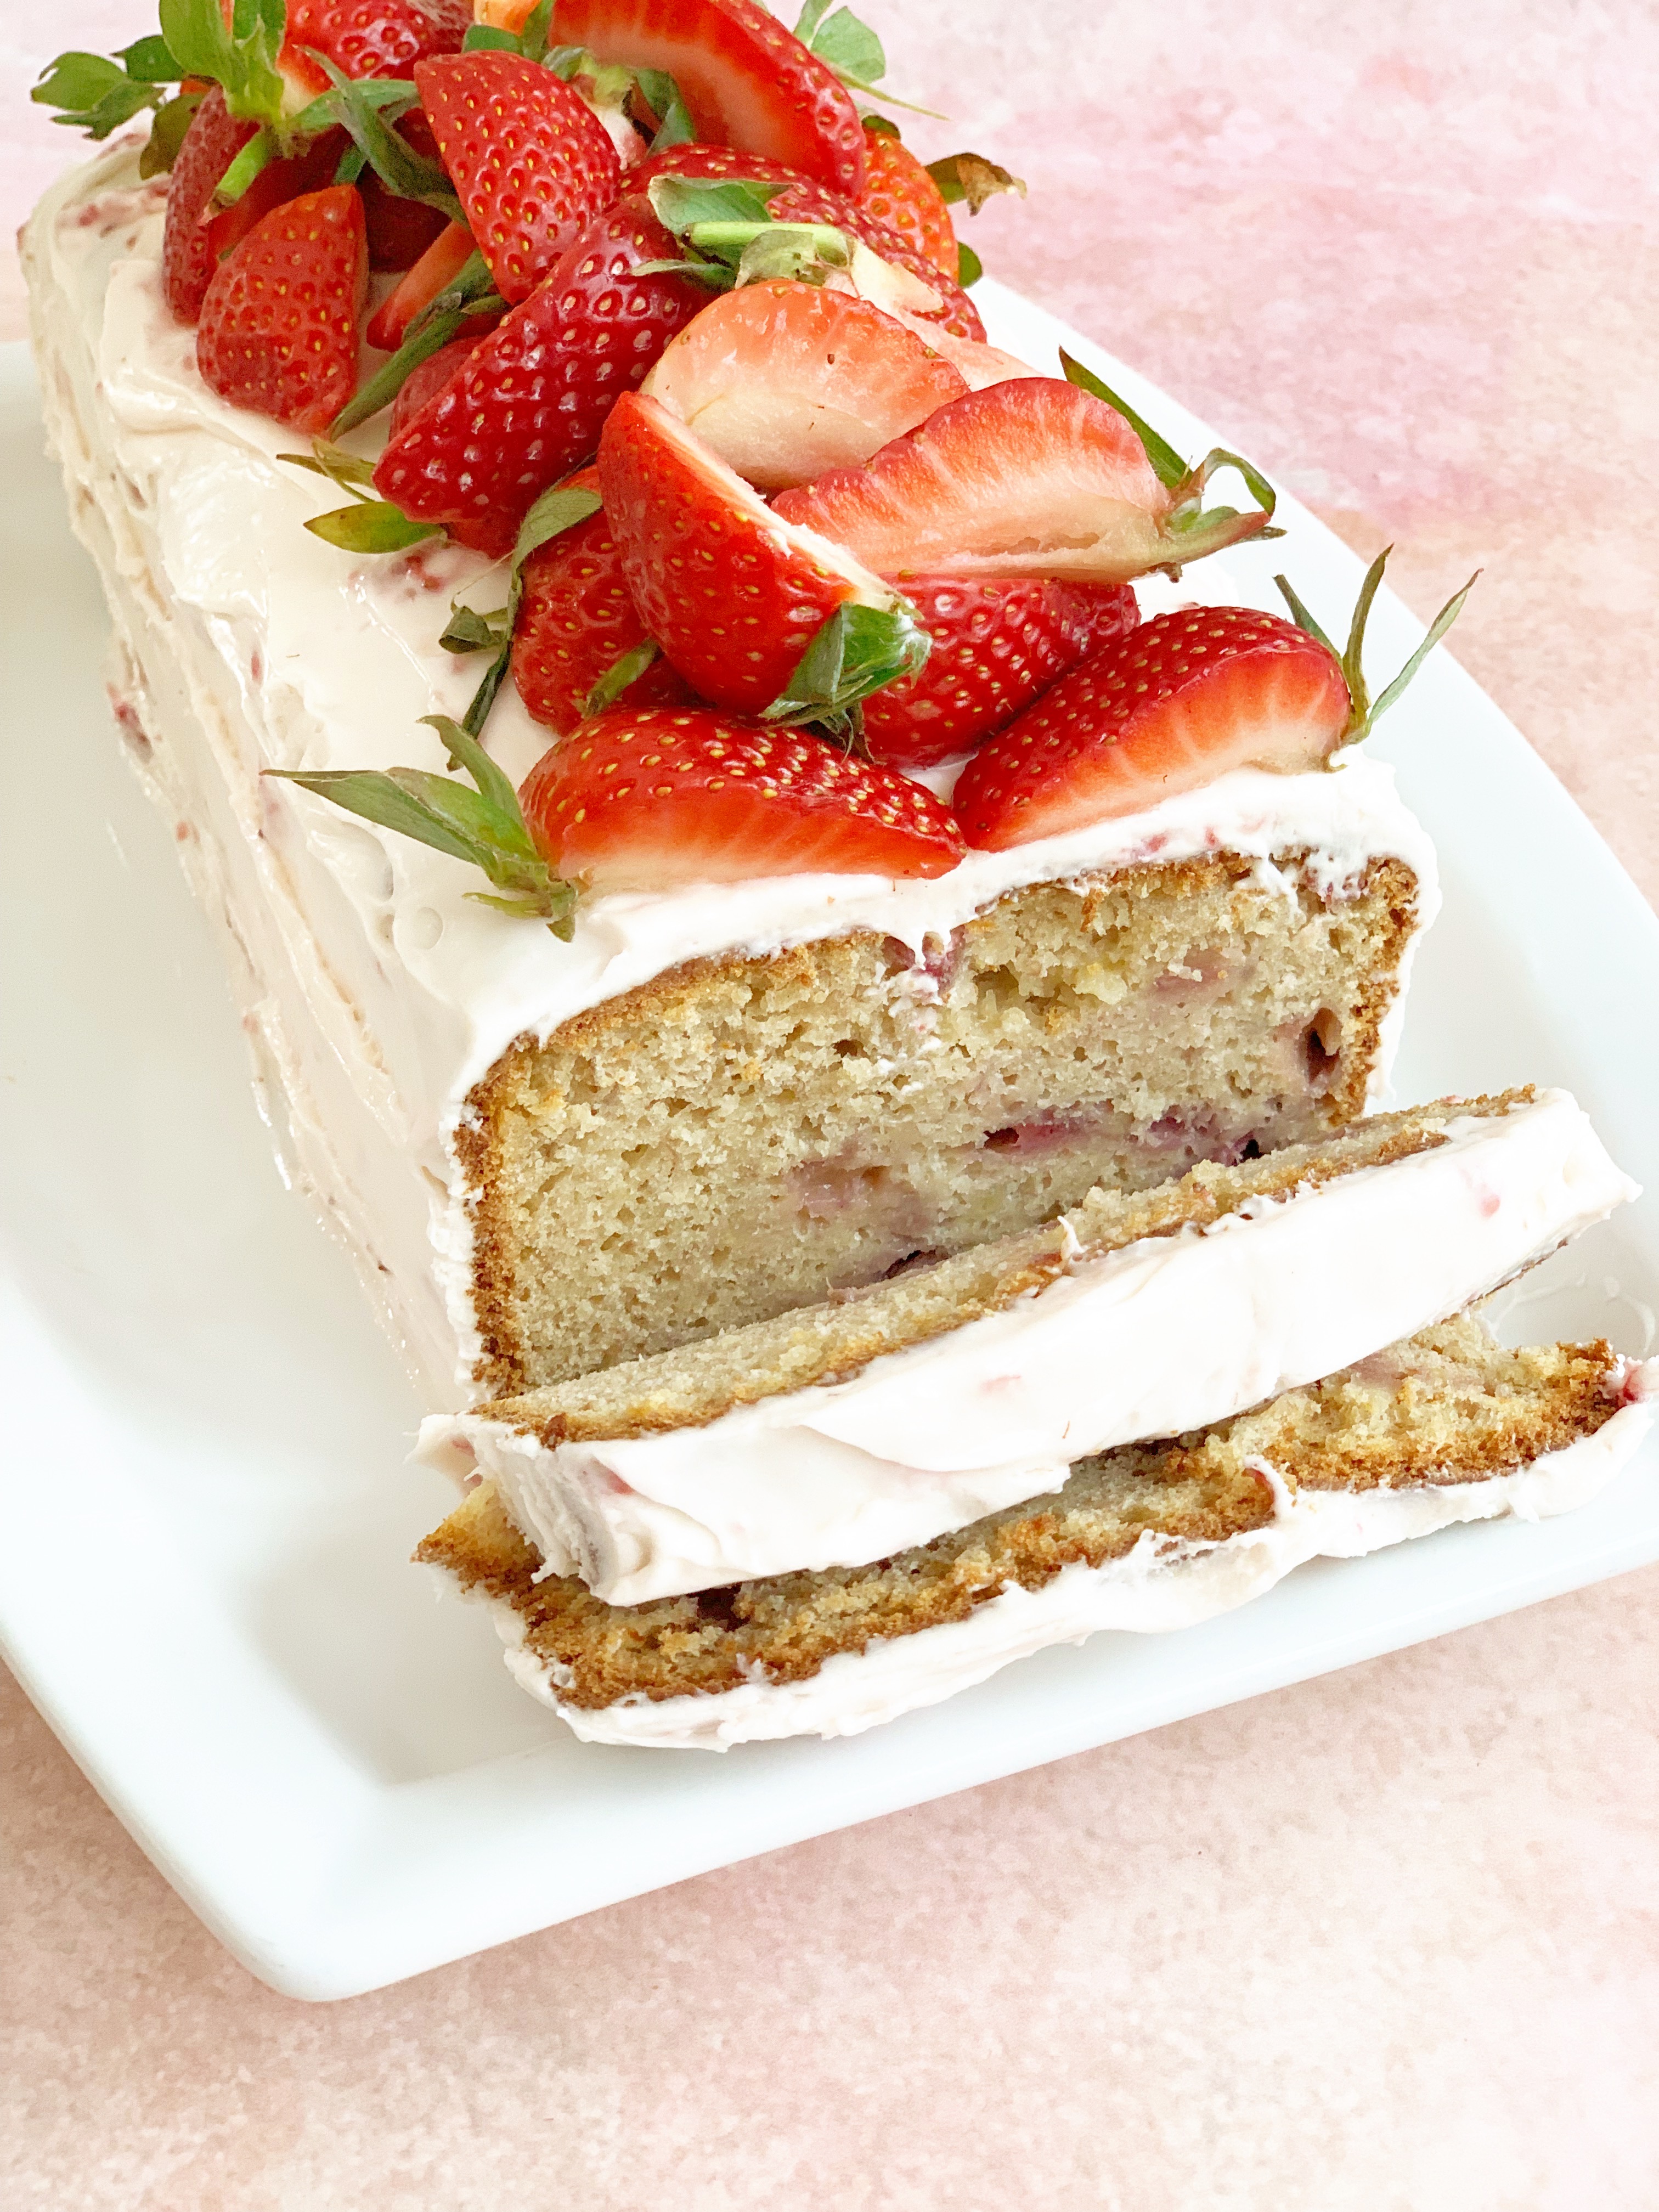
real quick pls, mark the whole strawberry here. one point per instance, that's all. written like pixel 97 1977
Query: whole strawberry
pixel 529 406
pixel 576 620
pixel 278 331
pixel 530 159
pixel 996 647
pixel 650 798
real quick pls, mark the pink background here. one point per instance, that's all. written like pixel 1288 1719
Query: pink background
pixel 1386 1942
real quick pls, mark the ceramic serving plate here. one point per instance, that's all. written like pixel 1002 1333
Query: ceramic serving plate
pixel 207 1513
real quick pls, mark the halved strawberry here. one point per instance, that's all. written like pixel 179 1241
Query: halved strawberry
pixel 378 38
pixel 804 199
pixel 652 798
pixel 399 230
pixel 428 379
pixel 744 79
pixel 279 324
pixel 437 268
pixel 996 647
pixel 530 404
pixel 732 596
pixel 532 161
pixel 900 194
pixel 1027 478
pixel 576 620
pixel 212 142
pixel 310 168
pixel 1173 705
pixel 785 380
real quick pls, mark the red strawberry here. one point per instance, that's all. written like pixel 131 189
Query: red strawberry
pixel 215 138
pixel 650 798
pixel 803 199
pixel 378 38
pixel 429 378
pixel 279 324
pixel 786 380
pixel 1175 703
pixel 530 404
pixel 899 193
pixel 745 79
pixel 996 647
pixel 438 267
pixel 309 170
pixel 1030 478
pixel 399 230
pixel 732 596
pixel 530 159
pixel 576 621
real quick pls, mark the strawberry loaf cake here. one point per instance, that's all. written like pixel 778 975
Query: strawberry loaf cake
pixel 743 813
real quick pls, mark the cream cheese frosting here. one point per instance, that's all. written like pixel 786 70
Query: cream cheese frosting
pixel 1161 1585
pixel 1167 1334
pixel 378 993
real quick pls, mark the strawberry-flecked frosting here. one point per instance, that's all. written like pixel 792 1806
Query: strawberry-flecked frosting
pixel 377 992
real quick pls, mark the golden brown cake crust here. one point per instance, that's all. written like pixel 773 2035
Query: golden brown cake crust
pixel 537 1127
pixel 1446 1406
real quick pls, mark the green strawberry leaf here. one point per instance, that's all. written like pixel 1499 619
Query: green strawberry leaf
pixel 970 267
pixel 260 148
pixel 472 292
pixel 484 826
pixel 683 203
pixel 1167 464
pixel 469 631
pixel 847 45
pixel 149 61
pixel 166 134
pixel 626 669
pixel 971 178
pixel 366 108
pixel 96 95
pixel 667 110
pixel 240 56
pixel 1364 713
pixel 372 525
pixel 856 651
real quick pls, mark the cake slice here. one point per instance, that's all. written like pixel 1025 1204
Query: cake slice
pixel 714 1104
pixel 1443 1428
pixel 850 1430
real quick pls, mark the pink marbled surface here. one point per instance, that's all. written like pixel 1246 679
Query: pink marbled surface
pixel 1386 1942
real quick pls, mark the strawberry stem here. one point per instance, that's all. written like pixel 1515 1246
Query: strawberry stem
pixel 1364 712
pixel 856 651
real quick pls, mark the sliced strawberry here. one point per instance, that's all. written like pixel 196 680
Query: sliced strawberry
pixel 1173 705
pixel 785 380
pixel 731 595
pixel 215 138
pixel 995 647
pixel 530 404
pixel 378 38
pixel 803 199
pixel 437 268
pixel 746 82
pixel 648 798
pixel 576 620
pixel 1030 478
pixel 428 379
pixel 532 161
pixel 899 193
pixel 309 170
pixel 279 325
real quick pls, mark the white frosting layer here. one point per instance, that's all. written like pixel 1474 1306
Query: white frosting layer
pixel 381 992
pixel 1166 1335
pixel 1160 1585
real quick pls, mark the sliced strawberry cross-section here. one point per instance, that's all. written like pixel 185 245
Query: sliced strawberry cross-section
pixel 733 596
pixel 785 382
pixel 529 405
pixel 533 163
pixel 1173 705
pixel 1027 478
pixel 649 797
pixel 279 330
pixel 746 81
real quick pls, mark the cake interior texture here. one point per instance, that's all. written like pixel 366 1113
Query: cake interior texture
pixel 828 1342
pixel 1448 1405
pixel 742 1137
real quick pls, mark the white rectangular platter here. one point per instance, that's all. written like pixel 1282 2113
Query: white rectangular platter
pixel 207 1513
